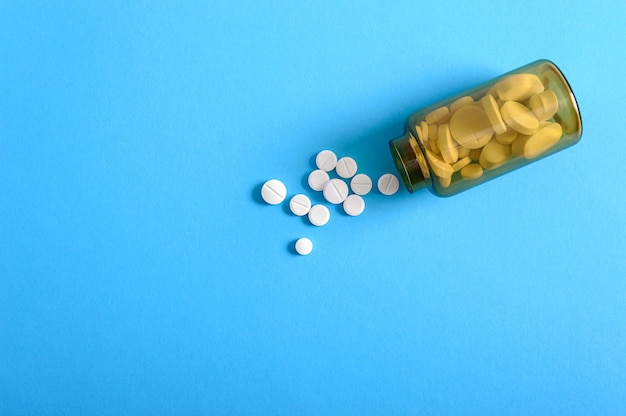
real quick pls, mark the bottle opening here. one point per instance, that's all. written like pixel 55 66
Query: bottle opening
pixel 407 161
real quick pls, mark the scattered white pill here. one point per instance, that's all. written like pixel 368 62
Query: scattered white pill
pixel 319 215
pixel 354 205
pixel 317 179
pixel 300 205
pixel 388 184
pixel 335 191
pixel 326 160
pixel 346 167
pixel 304 246
pixel 273 192
pixel 361 184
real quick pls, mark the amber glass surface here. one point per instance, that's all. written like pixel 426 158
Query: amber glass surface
pixel 421 163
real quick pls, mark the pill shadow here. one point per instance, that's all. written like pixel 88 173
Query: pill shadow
pixel 305 221
pixel 285 207
pixel 291 247
pixel 256 194
pixel 370 145
pixel 340 211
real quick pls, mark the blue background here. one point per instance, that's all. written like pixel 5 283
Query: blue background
pixel 141 274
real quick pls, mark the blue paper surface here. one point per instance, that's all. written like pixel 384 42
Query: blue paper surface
pixel 140 272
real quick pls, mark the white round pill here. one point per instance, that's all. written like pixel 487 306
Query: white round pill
pixel 388 184
pixel 326 160
pixel 335 191
pixel 319 215
pixel 361 184
pixel 317 179
pixel 300 205
pixel 304 246
pixel 273 192
pixel 346 167
pixel 354 205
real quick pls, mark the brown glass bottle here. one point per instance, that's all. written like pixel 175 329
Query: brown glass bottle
pixel 487 131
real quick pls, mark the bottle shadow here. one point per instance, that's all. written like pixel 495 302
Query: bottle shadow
pixel 370 145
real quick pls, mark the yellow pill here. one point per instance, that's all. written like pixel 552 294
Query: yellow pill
pixel 493 114
pixel 471 171
pixel 433 131
pixel 519 117
pixel 461 102
pixel 544 105
pixel 420 135
pixel 474 154
pixel 463 151
pixel 437 115
pixel 470 127
pixel 507 137
pixel 424 127
pixel 461 163
pixel 439 167
pixel 518 87
pixel 445 182
pixel 539 142
pixel 434 146
pixel 447 146
pixel 494 154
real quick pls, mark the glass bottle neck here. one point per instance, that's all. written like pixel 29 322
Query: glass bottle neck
pixel 410 162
